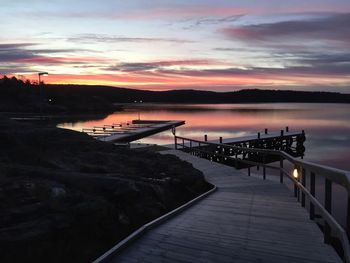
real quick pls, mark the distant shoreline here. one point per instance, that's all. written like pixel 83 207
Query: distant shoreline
pixel 18 96
pixel 125 95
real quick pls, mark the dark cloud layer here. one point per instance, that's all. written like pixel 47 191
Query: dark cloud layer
pixel 157 65
pixel 332 27
pixel 15 51
pixel 24 52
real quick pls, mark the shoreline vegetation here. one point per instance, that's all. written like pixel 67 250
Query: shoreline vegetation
pixel 20 96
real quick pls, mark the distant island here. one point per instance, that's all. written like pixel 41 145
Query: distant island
pixel 17 95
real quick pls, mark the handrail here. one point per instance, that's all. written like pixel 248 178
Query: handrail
pixel 317 168
pixel 330 174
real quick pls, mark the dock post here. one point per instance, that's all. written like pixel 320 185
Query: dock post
pixel 265 130
pixel 220 139
pixel 258 135
pixel 205 137
pixel 312 191
pixel 249 175
pixel 303 182
pixel 287 129
pixel 282 131
pixel 328 206
pixel 281 170
pixel 175 139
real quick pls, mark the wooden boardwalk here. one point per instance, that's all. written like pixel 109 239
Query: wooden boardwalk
pixel 245 220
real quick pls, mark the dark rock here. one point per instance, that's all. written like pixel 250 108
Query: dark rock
pixel 68 198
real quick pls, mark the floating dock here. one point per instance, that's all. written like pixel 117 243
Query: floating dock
pixel 135 130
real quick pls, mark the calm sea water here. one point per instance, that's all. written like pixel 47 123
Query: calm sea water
pixel 327 126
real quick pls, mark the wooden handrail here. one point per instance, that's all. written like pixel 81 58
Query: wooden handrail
pixel 338 176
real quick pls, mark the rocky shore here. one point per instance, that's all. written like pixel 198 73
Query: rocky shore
pixel 66 197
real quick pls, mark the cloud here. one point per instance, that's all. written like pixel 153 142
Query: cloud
pixel 331 27
pixel 184 11
pixel 6 69
pixel 21 53
pixel 157 65
pixel 266 72
pixel 116 39
pixel 15 51
pixel 210 20
pixel 10 46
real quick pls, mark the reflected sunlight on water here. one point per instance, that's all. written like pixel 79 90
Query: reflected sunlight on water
pixel 327 126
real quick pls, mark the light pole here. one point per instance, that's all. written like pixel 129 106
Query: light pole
pixel 41 91
pixel 42 74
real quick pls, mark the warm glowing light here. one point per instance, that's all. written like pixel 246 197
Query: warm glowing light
pixel 295 173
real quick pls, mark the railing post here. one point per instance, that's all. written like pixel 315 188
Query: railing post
pixel 220 139
pixel 175 142
pixel 287 129
pixel 303 182
pixel 281 170
pixel 264 168
pixel 205 137
pixel 265 131
pixel 248 171
pixel 348 217
pixel 236 161
pixel 183 144
pixel 312 192
pixel 328 206
pixel 282 132
pixel 258 135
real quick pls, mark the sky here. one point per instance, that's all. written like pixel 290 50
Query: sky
pixel 220 45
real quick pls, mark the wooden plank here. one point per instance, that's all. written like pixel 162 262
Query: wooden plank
pixel 245 220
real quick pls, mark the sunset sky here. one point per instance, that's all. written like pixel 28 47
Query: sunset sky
pixel 221 45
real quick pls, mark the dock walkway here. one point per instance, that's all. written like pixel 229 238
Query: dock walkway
pixel 246 220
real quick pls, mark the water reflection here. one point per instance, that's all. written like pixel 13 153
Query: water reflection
pixel 327 126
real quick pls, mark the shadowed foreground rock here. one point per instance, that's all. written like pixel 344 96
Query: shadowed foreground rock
pixel 68 198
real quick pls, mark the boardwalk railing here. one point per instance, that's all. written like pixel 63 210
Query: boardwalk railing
pixel 233 155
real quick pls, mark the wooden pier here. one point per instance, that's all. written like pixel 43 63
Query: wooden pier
pixel 131 131
pixel 238 152
pixel 246 220
pixel 284 140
